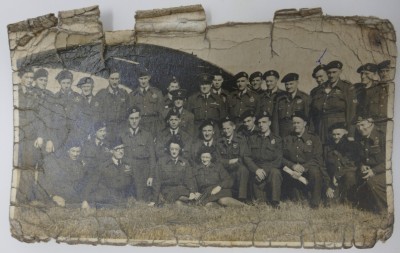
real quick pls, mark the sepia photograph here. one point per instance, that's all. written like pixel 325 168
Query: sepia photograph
pixel 179 130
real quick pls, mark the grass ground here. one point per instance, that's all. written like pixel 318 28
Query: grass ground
pixel 293 225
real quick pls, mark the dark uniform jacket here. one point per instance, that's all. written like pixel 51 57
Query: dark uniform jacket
pixel 28 105
pixel 286 106
pixel 198 145
pixel 342 157
pixel 268 100
pixel 70 101
pixel 376 101
pixel 222 93
pixel 187 121
pixel 372 151
pixel 94 154
pixel 212 108
pixel 266 151
pixel 89 113
pixel 150 102
pixel 113 104
pixel 239 103
pixel 165 135
pixel 243 131
pixel 211 176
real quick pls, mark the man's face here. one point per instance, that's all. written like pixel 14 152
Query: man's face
pixel 74 153
pixel 321 76
pixel 87 89
pixel 291 86
pixel 256 83
pixel 174 150
pixel 299 125
pixel 174 122
pixel 367 77
pixel 118 153
pixel 101 134
pixel 134 119
pixel 208 133
pixel 228 128
pixel 242 83
pixel 205 88
pixel 337 134
pixel 205 159
pixel 144 81
pixel 333 74
pixel 113 80
pixel 271 82
pixel 27 79
pixel 66 84
pixel 249 122
pixel 217 82
pixel 173 86
pixel 178 103
pixel 41 82
pixel 365 127
pixel 385 75
pixel 264 123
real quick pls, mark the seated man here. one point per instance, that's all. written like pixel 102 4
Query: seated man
pixel 249 126
pixel 340 161
pixel 174 178
pixel 302 153
pixel 372 154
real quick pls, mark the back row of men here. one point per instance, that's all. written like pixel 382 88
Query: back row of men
pixel 53 119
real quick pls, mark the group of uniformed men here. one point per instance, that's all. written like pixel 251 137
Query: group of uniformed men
pixel 257 143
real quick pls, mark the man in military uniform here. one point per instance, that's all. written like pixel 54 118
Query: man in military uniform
pixel 302 154
pixel 89 108
pixel 331 102
pixel 320 75
pixel 233 152
pixel 248 127
pixel 168 100
pixel 206 105
pixel 386 71
pixel 113 104
pixel 207 139
pixel 140 153
pixel 149 100
pixel 268 98
pixel 242 99
pixel 173 130
pixel 217 89
pixel 187 118
pixel 256 80
pixel 372 165
pixel 266 152
pixel 287 104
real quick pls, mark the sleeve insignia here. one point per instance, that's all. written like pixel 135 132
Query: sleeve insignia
pixel 309 142
pixel 299 101
pixel 127 168
pixel 154 96
pixel 251 99
pixel 273 141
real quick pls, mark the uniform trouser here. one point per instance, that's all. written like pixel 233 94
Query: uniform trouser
pixel 297 190
pixel 240 175
pixel 271 184
pixel 372 193
pixel 347 187
pixel 141 169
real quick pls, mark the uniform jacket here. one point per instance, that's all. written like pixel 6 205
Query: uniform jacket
pixel 211 176
pixel 150 103
pixel 342 157
pixel 211 108
pixel 165 135
pixel 268 100
pixel 238 104
pixel 113 104
pixel 266 151
pixel 372 151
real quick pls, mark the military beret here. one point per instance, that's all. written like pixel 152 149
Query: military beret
pixel 271 73
pixel 117 143
pixel 40 73
pixel 172 113
pixel 318 68
pixel 226 119
pixel 23 70
pixel 133 109
pixel 263 114
pixel 179 94
pixel 240 75
pixel 173 79
pixel 206 123
pixel 361 117
pixel 368 67
pixel 248 113
pixel 143 72
pixel 384 65
pixel 255 74
pixel 299 114
pixel 290 77
pixel 334 65
pixel 85 80
pixel 73 143
pixel 205 79
pixel 218 72
pixel 337 125
pixel 99 125
pixel 64 74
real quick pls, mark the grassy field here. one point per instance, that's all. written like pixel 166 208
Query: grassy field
pixel 293 225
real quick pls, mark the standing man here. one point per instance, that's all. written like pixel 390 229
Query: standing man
pixel 256 80
pixel 268 98
pixel 206 105
pixel 234 155
pixel 168 99
pixel 266 152
pixel 140 153
pixel 187 118
pixel 372 165
pixel 217 89
pixel 289 103
pixel 113 104
pixel 149 100
pixel 320 75
pixel 302 153
pixel 207 139
pixel 243 99
pixel 386 71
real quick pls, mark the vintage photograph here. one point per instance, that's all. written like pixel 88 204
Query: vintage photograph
pixel 274 134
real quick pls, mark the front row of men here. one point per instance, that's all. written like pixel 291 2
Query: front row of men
pixel 244 164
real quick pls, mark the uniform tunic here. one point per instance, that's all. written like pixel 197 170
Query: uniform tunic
pixel 166 135
pixel 94 154
pixel 89 113
pixel 286 106
pixel 174 178
pixel 208 177
pixel 70 101
pixel 210 108
pixel 268 100
pixel 187 121
pixel 238 103
pixel 198 145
